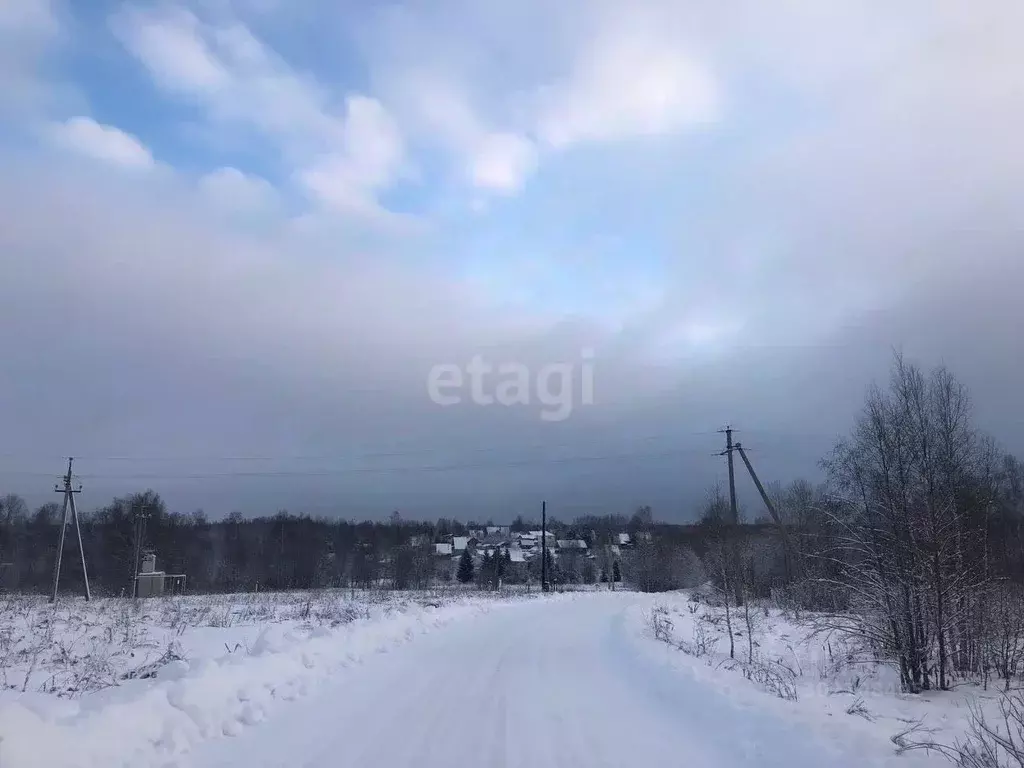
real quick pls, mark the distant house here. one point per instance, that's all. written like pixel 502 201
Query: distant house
pixel 624 540
pixel 572 545
pixel 493 541
pixel 526 541
pixel 500 530
pixel 443 549
pixel 460 543
pixel 537 537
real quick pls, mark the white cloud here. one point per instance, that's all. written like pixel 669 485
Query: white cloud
pixel 502 161
pixel 627 86
pixel 171 46
pixel 29 30
pixel 344 159
pixel 606 73
pixel 101 142
pixel 368 158
pixel 232 74
pixel 230 189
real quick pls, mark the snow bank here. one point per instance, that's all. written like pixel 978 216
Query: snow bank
pixel 150 722
pixel 854 704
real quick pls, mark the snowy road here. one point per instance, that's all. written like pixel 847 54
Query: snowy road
pixel 541 684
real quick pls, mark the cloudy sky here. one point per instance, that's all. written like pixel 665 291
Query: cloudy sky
pixel 236 235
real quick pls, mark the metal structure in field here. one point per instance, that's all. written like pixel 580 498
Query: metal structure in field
pixel 139 533
pixel 69 504
pixel 149 582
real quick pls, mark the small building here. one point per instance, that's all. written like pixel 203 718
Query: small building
pixel 149 582
pixel 572 545
pixel 459 543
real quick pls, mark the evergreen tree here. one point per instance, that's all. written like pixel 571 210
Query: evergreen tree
pixel 465 572
pixel 604 577
pixel 486 568
pixel 498 567
pixel 616 573
pixel 549 565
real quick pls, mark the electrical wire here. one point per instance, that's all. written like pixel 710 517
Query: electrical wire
pixel 360 470
pixel 370 470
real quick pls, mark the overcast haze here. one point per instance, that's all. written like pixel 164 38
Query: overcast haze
pixel 235 235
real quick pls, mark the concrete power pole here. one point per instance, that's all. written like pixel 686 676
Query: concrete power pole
pixel 732 477
pixel 69 502
pixel 544 546
pixel 735 521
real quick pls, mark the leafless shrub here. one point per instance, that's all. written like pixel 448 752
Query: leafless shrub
pixel 172 652
pixel 773 677
pixel 910 737
pixel 770 675
pixel 40 639
pixel 988 744
pixel 7 650
pixel 704 641
pixel 661 624
pixel 858 708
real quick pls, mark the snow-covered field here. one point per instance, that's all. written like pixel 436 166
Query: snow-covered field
pixel 340 679
pixel 814 679
pixel 118 682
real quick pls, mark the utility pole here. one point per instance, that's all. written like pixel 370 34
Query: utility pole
pixel 786 544
pixel 139 524
pixel 732 477
pixel 735 517
pixel 544 546
pixel 69 502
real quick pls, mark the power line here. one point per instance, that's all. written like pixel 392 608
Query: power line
pixel 337 457
pixel 333 472
pixel 388 470
pixel 767 433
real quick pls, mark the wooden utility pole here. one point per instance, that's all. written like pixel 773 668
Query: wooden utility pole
pixel 544 546
pixel 69 502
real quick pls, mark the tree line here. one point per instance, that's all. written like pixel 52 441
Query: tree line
pixel 282 551
pixel 913 545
